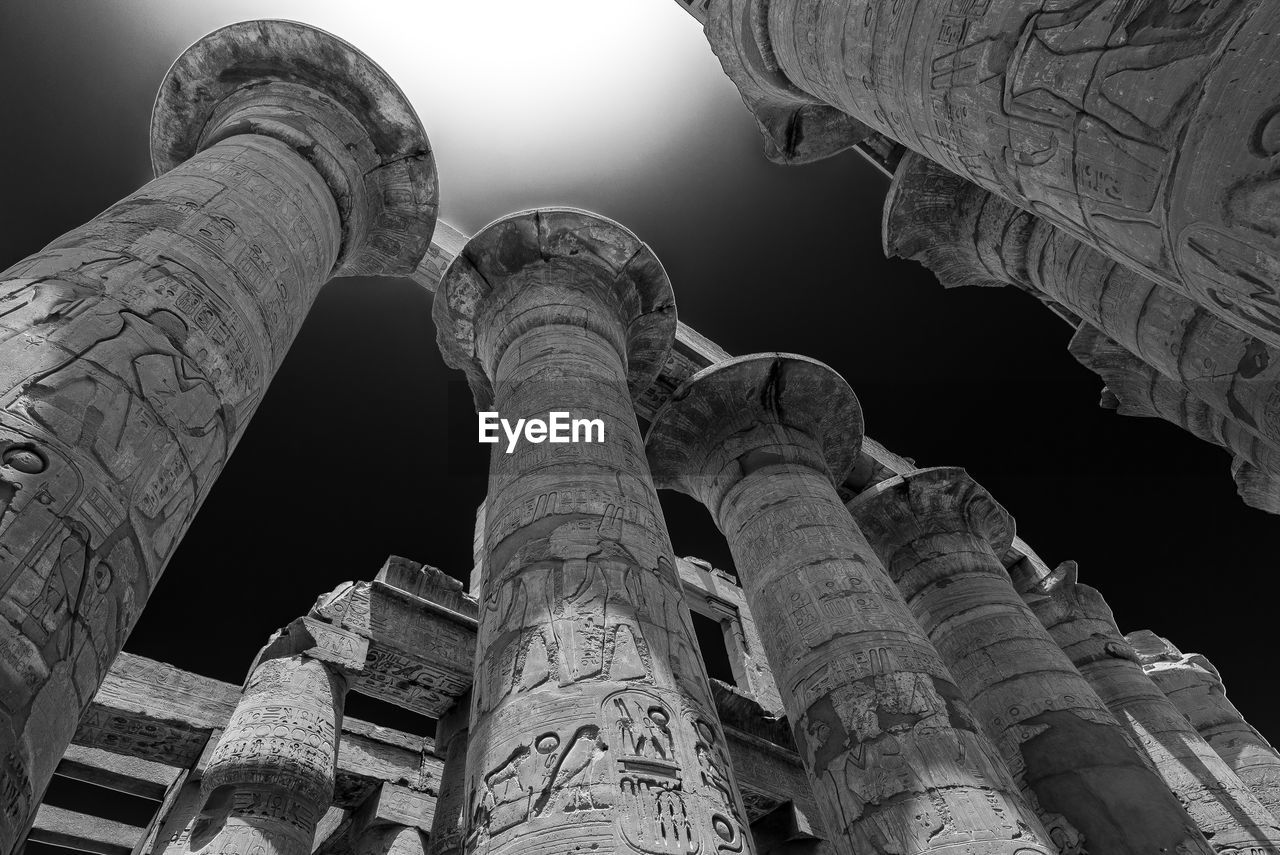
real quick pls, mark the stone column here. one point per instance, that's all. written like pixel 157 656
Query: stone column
pixel 449 824
pixel 271 776
pixel 1195 687
pixel 896 760
pixel 1225 810
pixel 1147 130
pixel 968 236
pixel 134 349
pixel 939 535
pixel 593 728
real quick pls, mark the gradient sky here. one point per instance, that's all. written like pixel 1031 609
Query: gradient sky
pixel 621 108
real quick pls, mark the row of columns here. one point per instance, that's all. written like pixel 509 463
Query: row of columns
pixel 135 349
pixel 1160 353
pixel 931 705
pixel 1147 131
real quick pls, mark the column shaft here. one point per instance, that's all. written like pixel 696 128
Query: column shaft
pixel 1089 783
pixel 271 776
pixel 1056 109
pixel 887 738
pixel 1080 622
pixel 133 351
pixel 448 825
pixel 896 760
pixel 1195 688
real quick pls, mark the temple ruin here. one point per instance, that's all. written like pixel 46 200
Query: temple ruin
pixel 910 677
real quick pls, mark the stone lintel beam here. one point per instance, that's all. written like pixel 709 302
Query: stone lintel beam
pixel 761 441
pixel 82 832
pixel 155 712
pixel 940 535
pixel 370 828
pixel 142 778
pixel 1195 687
pixel 419 651
pixel 1082 624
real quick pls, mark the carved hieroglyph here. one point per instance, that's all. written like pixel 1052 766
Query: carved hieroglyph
pixel 1079 620
pixel 939 534
pixel 1195 688
pixel 134 349
pixel 1150 129
pixel 271 775
pixel 593 729
pixel 968 236
pixel 896 760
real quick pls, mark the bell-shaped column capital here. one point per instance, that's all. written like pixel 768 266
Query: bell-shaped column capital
pixel 748 412
pixel 333 105
pixel 797 128
pixel 1078 617
pixel 496 289
pixel 940 500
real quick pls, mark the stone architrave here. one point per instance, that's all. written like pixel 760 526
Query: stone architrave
pixel 593 728
pixel 271 776
pixel 448 827
pixel 939 534
pixel 968 236
pixel 1195 687
pixel 135 349
pixel 1082 624
pixel 1050 105
pixel 896 760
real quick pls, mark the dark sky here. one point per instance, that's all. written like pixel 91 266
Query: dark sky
pixel 348 461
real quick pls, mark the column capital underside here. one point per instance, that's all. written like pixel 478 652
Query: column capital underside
pixel 939 500
pixel 331 103
pixel 592 253
pixel 733 408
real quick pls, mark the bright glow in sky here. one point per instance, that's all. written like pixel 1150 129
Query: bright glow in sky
pixel 536 95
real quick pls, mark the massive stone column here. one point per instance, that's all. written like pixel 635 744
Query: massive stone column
pixel 271 775
pixel 939 535
pixel 449 824
pixel 968 236
pixel 1195 687
pixel 1134 388
pixel 593 728
pixel 1078 618
pixel 134 349
pixel 896 760
pixel 1147 129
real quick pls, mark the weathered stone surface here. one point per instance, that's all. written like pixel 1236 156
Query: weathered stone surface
pixel 894 757
pixel 391 839
pixel 135 349
pixel 968 236
pixel 142 778
pixel 1225 810
pixel 940 534
pixel 419 629
pixel 1137 389
pixel 592 722
pixel 1195 688
pixel 81 832
pixel 271 775
pixel 1050 105
pixel 715 594
pixel 448 829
